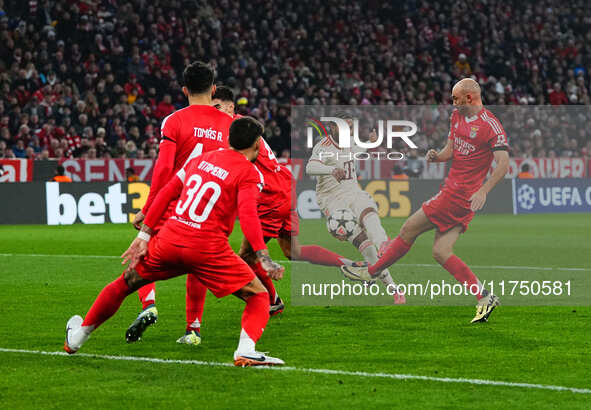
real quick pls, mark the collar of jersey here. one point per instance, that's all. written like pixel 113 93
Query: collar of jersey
pixel 474 117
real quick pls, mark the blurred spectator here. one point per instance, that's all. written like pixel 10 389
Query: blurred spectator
pixel 98 69
pixel 463 65
pixel 398 173
pixel 557 96
pixel 414 165
pixel 60 175
pixel 131 175
pixel 525 174
pixel 285 157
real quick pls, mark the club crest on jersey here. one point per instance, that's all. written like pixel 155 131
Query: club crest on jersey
pixel 473 132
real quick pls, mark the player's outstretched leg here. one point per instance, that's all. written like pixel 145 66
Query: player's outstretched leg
pixel 195 301
pixel 107 303
pixel 365 246
pixel 415 225
pixel 318 255
pixel 247 254
pixel 443 253
pixel 392 251
pixel 147 317
pixel 254 320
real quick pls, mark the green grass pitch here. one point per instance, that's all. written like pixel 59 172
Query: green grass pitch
pixel 538 344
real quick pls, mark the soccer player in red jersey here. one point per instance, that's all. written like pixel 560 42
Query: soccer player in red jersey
pixel 278 216
pixel 185 134
pixel 476 137
pixel 208 193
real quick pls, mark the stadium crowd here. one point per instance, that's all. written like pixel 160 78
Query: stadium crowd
pixel 93 79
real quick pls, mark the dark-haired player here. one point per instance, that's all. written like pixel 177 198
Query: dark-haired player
pixel 223 100
pixel 208 193
pixel 185 134
pixel 476 137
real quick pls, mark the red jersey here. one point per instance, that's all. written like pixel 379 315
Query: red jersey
pixel 277 178
pixel 211 190
pixel 474 140
pixel 186 134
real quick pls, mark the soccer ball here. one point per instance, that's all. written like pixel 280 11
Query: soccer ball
pixel 341 223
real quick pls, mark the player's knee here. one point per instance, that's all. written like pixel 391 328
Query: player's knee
pixel 441 254
pixel 407 233
pixel 252 288
pixel 247 255
pixel 291 254
pixel 133 280
pixel 290 246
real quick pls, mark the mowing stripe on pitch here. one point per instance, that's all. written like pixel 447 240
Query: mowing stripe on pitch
pixel 316 371
pixel 419 265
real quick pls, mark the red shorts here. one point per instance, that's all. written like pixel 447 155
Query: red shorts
pixel 446 211
pixel 213 263
pixel 277 217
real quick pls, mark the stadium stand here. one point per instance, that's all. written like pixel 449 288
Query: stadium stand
pixel 93 79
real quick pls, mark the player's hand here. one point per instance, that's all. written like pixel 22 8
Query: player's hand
pixel 339 174
pixel 478 200
pixel 373 136
pixel 431 155
pixel 136 251
pixel 138 219
pixel 274 270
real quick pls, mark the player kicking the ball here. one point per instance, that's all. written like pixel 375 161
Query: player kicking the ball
pixel 337 188
pixel 476 137
pixel 211 189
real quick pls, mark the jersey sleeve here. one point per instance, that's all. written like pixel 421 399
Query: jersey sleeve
pixel 316 151
pixel 168 193
pixel 165 161
pixel 316 165
pixel 248 190
pixel 497 140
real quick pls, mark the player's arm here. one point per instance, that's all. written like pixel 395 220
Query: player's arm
pixel 316 165
pixel 500 148
pixel 251 227
pixel 448 151
pixel 479 198
pixel 139 246
pixel 442 156
pixel 163 168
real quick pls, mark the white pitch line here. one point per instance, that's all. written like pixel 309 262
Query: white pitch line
pixel 38 255
pixel 316 371
pixel 419 265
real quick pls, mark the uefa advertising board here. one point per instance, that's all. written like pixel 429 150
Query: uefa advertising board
pixel 56 203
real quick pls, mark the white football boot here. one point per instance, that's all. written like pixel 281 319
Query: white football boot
pixel 76 335
pixel 254 358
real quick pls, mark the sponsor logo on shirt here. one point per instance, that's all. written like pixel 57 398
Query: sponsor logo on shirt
pixel 463 147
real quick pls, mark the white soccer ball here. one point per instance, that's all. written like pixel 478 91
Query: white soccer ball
pixel 341 223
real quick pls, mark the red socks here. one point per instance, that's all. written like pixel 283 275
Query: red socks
pixel 196 292
pixel 395 250
pixel 320 256
pixel 107 302
pixel 463 274
pixel 147 295
pixel 256 315
pixel 266 280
